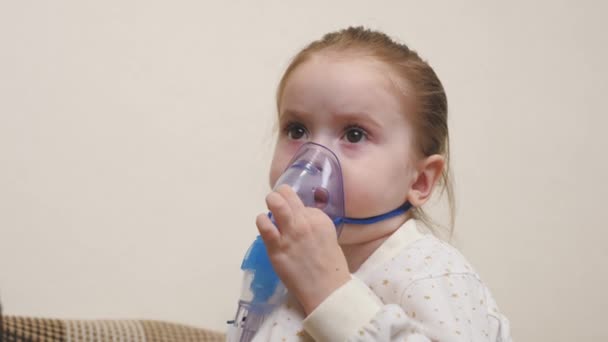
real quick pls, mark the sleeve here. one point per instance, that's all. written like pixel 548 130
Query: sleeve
pixel 446 308
pixel 283 324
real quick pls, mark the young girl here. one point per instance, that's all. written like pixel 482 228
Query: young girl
pixel 382 110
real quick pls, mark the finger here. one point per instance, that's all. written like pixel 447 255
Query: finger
pixel 270 234
pixel 291 197
pixel 319 218
pixel 280 211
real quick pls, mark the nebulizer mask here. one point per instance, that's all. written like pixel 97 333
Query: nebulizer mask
pixel 314 173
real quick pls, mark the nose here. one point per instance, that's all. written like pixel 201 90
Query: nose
pixel 323 140
pixel 327 139
pixel 317 159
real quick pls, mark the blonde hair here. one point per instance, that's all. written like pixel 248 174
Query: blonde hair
pixel 430 119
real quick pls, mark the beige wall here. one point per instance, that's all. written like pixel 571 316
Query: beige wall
pixel 135 138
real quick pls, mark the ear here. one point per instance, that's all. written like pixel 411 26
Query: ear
pixel 428 173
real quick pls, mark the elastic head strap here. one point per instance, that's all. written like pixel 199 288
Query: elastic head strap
pixel 369 220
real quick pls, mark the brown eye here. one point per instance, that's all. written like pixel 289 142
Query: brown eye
pixel 354 135
pixel 295 131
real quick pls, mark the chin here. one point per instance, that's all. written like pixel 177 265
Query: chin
pixel 352 234
pixel 364 210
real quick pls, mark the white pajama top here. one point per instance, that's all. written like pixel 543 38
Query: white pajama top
pixel 413 288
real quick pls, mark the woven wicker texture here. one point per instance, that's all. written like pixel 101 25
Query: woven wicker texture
pixel 26 329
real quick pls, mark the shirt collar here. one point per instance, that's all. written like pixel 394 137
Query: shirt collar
pixel 401 238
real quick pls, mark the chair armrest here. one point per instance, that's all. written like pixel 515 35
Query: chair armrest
pixel 19 328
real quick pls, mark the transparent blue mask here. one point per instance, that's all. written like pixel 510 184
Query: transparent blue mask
pixel 314 173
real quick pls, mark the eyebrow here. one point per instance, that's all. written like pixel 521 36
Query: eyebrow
pixel 363 117
pixel 291 115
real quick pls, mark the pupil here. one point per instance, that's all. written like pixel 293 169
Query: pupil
pixel 297 132
pixel 354 136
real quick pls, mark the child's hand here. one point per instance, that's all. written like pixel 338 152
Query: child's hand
pixel 304 249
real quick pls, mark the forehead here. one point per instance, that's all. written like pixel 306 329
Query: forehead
pixel 347 83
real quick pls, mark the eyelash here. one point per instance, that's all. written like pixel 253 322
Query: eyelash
pixel 349 127
pixel 291 125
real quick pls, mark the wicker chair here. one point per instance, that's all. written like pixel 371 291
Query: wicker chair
pixel 26 329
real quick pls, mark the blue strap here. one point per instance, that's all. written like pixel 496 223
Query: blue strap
pixel 369 220
pixel 402 209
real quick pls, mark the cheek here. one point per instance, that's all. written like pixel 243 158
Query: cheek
pixel 282 155
pixel 362 198
pixel 276 169
pixel 374 188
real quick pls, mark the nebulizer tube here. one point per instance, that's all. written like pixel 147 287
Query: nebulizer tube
pixel 314 173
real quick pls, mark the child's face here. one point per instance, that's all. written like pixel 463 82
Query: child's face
pixel 350 105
